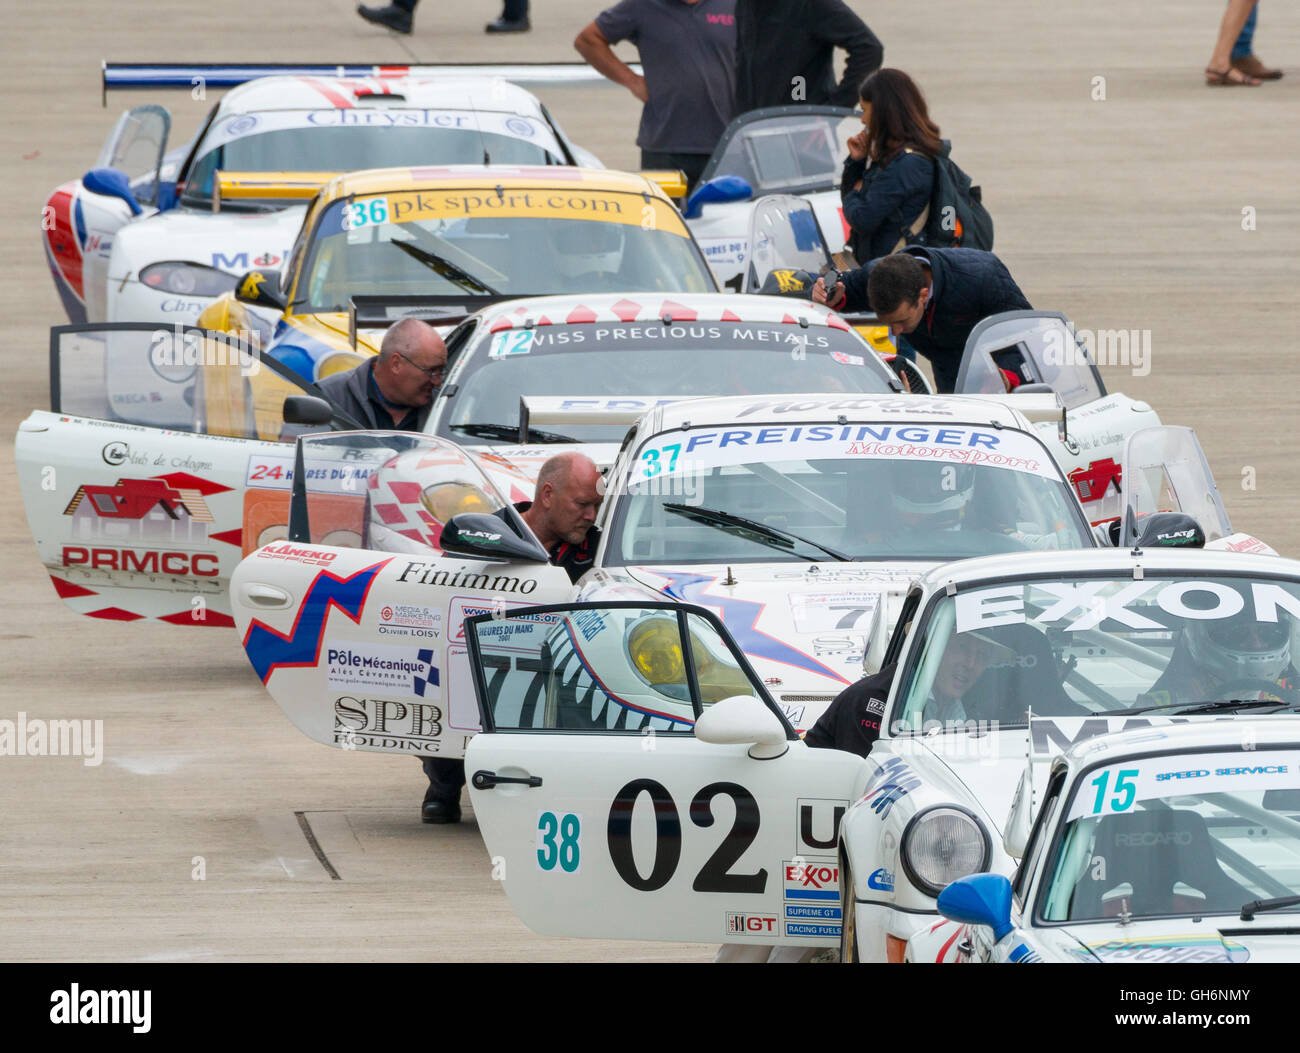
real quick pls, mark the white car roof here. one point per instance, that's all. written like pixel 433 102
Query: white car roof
pixel 654 307
pixel 293 92
pixel 823 408
pixel 1200 562
pixel 1264 732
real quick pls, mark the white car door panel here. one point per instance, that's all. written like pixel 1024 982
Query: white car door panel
pixel 134 522
pixel 359 647
pixel 617 802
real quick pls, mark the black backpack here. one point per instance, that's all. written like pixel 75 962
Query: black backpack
pixel 958 218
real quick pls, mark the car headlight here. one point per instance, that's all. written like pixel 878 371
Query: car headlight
pixel 656 652
pixel 654 647
pixel 942 844
pixel 448 499
pixel 338 363
pixel 187 279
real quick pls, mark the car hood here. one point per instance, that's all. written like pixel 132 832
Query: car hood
pixel 233 242
pixel 1219 938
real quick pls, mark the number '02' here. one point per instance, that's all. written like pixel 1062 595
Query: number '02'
pixel 715 875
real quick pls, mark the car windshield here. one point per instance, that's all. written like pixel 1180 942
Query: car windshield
pixel 600 362
pixel 1178 834
pixel 343 140
pixel 1097 646
pixel 802 151
pixel 527 242
pixel 865 491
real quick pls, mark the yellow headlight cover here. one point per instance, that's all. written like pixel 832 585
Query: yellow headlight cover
pixel 656 651
pixel 445 500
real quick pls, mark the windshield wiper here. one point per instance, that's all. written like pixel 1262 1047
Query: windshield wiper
pixel 1196 707
pixel 510 433
pixel 751 528
pixel 444 268
pixel 1232 704
pixel 1249 910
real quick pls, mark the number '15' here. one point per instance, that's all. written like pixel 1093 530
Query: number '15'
pixel 1125 790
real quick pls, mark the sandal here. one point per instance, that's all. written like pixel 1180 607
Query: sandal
pixel 1230 78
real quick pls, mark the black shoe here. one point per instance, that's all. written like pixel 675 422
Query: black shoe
pixel 503 25
pixel 439 812
pixel 392 17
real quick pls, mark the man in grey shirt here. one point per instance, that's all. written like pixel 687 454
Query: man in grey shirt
pixel 394 390
pixel 688 52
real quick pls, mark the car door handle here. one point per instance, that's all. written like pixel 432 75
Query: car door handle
pixel 485 780
pixel 966 947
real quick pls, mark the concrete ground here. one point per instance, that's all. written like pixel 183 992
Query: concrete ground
pixel 1122 190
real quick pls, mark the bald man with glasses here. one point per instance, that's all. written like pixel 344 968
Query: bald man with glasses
pixel 393 391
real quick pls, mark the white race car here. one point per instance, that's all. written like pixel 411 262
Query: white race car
pixel 1176 846
pixel 784 150
pixel 801 519
pixel 667 797
pixel 1005 657
pixel 146 235
pixel 590 365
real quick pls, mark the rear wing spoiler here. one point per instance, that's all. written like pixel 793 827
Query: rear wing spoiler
pixel 380 312
pixel 588 409
pixel 289 186
pixel 141 76
pixel 1036 407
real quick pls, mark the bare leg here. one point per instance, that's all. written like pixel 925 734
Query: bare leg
pixel 1229 29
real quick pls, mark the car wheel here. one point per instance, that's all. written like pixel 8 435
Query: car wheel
pixel 848 916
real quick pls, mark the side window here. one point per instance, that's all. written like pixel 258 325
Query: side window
pixel 181 378
pixel 620 667
pixel 903 627
pixel 1037 839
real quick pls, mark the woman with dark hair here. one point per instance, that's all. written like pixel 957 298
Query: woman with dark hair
pixel 889 172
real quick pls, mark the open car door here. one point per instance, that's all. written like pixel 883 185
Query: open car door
pixel 641 784
pixel 142 481
pixel 355 624
pixel 1166 471
pixel 1033 351
pixel 788 253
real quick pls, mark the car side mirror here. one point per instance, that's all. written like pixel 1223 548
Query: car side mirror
pixel 307 409
pixel 489 537
pixel 979 899
pixel 1170 530
pixel 111 182
pixel 718 190
pixel 261 289
pixel 743 720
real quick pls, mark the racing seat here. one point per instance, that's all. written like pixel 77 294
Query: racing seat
pixel 1031 679
pixel 1166 858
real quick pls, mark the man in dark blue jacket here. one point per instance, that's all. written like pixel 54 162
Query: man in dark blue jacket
pixel 933 296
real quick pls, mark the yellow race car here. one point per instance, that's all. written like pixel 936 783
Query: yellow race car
pixel 376 244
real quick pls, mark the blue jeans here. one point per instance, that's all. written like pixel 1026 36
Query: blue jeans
pixel 1242 47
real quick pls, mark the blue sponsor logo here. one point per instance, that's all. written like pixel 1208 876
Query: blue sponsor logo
pixel 882 880
pixel 858 433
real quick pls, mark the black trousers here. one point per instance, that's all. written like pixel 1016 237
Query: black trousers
pixel 691 164
pixel 446 777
